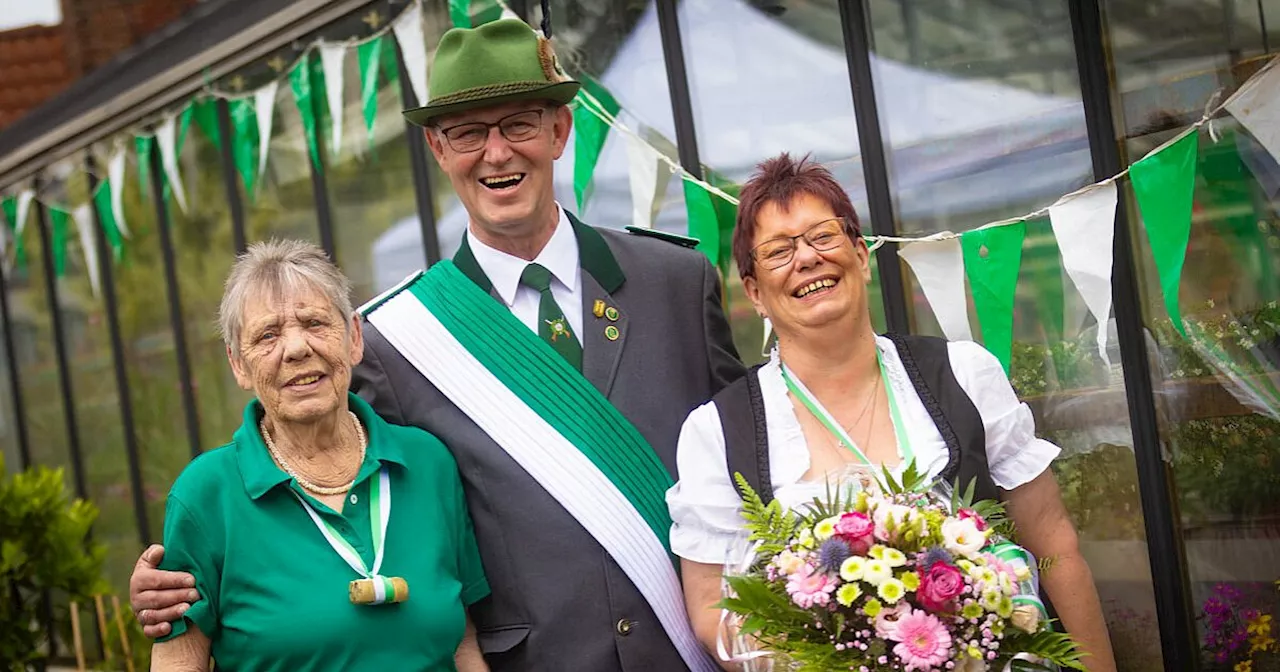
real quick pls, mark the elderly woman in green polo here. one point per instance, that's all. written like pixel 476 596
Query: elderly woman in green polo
pixel 321 537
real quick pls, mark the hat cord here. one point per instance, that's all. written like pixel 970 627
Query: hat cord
pixel 546 19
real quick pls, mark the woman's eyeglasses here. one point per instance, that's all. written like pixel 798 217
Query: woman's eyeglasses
pixel 823 236
pixel 472 136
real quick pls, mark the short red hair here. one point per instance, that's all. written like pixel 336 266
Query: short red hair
pixel 780 180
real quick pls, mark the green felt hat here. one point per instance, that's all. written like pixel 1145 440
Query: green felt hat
pixel 498 62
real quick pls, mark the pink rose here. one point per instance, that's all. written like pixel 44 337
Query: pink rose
pixel 970 514
pixel 856 529
pixel 939 585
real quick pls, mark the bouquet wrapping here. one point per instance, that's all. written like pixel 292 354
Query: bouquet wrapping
pixel 891 578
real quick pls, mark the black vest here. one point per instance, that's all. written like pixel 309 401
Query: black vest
pixel 928 365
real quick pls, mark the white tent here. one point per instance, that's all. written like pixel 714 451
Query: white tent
pixel 759 88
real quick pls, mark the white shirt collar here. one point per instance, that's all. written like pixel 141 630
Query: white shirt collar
pixel 559 255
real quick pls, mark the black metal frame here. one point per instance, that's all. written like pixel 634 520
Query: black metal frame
pixel 227 133
pixel 421 171
pixel 678 83
pixel 15 383
pixel 320 193
pixel 173 292
pixel 120 365
pixel 875 166
pixel 1164 543
pixel 60 350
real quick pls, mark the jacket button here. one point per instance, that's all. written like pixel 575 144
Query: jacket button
pixel 624 627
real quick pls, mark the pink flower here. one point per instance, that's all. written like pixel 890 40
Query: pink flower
pixel 939 585
pixel 887 621
pixel 923 641
pixel 970 514
pixel 856 529
pixel 808 587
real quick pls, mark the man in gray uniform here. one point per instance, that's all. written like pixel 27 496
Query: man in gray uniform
pixel 571 538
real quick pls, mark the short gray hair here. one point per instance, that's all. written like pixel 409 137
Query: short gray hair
pixel 276 268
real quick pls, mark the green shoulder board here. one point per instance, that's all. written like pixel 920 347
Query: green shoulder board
pixel 382 298
pixel 683 241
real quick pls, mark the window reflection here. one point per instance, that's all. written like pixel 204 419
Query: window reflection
pixel 983 120
pixel 1216 388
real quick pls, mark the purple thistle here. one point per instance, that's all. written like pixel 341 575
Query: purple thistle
pixel 936 554
pixel 832 553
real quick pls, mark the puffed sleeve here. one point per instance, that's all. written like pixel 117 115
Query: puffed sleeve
pixel 188 548
pixel 705 506
pixel 1014 454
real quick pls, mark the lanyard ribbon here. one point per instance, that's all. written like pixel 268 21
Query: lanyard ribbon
pixel 379 515
pixel 797 388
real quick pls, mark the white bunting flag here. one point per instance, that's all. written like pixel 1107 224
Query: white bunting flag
pixel 331 59
pixel 115 178
pixel 165 133
pixel 643 167
pixel 1085 226
pixel 1257 106
pixel 413 47
pixel 264 103
pixel 84 225
pixel 939 268
pixel 24 204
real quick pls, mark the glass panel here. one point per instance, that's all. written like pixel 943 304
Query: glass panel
pixel 151 362
pixel 283 204
pixel 983 118
pixel 371 190
pixel 766 80
pixel 1216 390
pixel 9 442
pixel 204 249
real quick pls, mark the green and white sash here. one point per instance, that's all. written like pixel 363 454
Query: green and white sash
pixel 553 423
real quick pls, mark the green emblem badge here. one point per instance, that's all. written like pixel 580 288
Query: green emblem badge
pixel 558 328
pixel 611 332
pixel 611 313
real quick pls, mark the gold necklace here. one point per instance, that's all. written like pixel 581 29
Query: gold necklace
pixel 308 485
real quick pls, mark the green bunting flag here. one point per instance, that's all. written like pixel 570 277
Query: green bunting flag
pixel 1164 183
pixel 726 216
pixel 58 223
pixel 10 208
pixel 369 54
pixel 992 258
pixel 205 111
pixel 244 122
pixel 102 201
pixel 300 78
pixel 703 223
pixel 143 146
pixel 1043 270
pixel 464 13
pixel 590 132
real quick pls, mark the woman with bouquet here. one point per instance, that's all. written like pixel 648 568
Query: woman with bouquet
pixel 835 404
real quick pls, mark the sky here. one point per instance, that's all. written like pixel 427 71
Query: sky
pixel 17 13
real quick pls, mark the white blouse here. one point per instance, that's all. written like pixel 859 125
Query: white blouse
pixel 705 505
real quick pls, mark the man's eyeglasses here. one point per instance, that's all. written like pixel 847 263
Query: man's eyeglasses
pixel 472 136
pixel 825 235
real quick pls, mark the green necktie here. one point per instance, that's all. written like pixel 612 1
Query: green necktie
pixel 553 326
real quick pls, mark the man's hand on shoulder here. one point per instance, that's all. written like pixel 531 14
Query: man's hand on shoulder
pixel 159 597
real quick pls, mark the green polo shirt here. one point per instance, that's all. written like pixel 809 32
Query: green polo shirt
pixel 275 593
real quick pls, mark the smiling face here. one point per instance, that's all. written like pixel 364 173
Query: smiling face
pixel 505 186
pixel 818 287
pixel 296 354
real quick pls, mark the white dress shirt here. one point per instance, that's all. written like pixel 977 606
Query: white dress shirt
pixel 705 505
pixel 559 255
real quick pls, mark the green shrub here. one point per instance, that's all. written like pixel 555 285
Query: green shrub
pixel 44 547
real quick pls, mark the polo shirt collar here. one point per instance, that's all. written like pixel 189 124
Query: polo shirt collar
pixel 260 473
pixel 559 255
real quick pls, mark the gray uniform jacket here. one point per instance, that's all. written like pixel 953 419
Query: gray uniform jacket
pixel 559 602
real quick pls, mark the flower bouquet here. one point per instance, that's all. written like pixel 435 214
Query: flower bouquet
pixel 892 579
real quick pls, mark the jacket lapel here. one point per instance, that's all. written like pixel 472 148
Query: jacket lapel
pixel 604 322
pixel 466 262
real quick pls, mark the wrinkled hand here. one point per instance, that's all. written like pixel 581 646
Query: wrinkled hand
pixel 157 596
